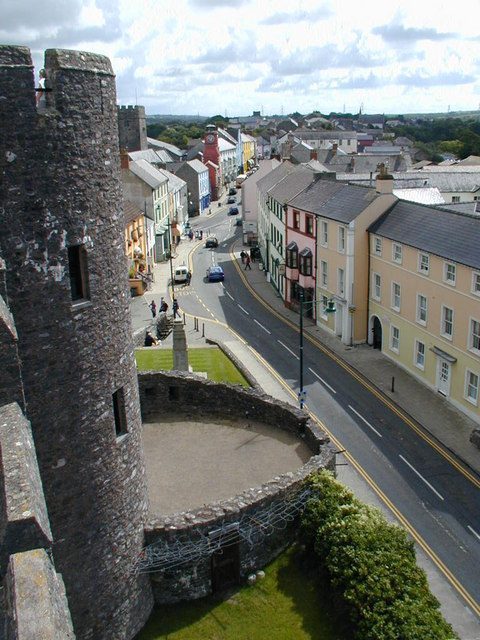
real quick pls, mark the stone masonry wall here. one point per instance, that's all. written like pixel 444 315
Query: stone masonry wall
pixel 132 128
pixel 60 188
pixel 191 396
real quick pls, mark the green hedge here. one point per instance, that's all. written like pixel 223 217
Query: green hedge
pixel 371 566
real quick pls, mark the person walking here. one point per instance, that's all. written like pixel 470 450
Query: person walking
pixel 247 262
pixel 153 308
pixel 175 308
pixel 163 305
pixel 189 278
pixel 243 255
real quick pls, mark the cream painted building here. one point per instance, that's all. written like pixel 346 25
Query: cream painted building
pixel 424 299
pixel 343 214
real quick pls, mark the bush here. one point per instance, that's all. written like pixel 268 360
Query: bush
pixel 371 566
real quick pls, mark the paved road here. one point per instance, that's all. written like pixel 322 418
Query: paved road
pixel 439 500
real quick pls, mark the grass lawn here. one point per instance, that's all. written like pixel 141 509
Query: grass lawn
pixel 219 368
pixel 288 604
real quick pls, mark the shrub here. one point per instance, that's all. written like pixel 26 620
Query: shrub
pixel 371 566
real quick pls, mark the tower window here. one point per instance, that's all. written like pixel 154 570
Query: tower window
pixel 78 268
pixel 119 412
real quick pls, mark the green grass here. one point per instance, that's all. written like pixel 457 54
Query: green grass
pixel 288 604
pixel 218 367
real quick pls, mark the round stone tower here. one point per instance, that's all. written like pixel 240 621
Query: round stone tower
pixel 61 231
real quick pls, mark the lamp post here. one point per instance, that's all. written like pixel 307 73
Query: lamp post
pixel 329 309
pixel 172 280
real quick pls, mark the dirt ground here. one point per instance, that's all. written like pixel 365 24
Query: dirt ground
pixel 191 463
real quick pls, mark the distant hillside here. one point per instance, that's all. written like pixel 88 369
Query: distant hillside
pixel 167 119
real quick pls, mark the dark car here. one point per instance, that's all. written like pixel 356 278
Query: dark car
pixel 232 191
pixel 211 242
pixel 233 211
pixel 215 274
pixel 231 200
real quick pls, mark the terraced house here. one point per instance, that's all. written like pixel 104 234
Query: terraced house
pixel 424 301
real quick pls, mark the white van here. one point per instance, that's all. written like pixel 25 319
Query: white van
pixel 180 273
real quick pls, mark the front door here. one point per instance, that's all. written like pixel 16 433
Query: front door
pixel 443 377
pixel 377 333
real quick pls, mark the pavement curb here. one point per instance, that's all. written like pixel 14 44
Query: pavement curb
pixel 231 356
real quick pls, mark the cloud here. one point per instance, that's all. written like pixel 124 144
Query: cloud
pixel 371 81
pixel 312 59
pixel 420 79
pixel 400 34
pixel 322 13
pixel 212 4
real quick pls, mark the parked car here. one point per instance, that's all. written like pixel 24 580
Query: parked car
pixel 231 200
pixel 233 211
pixel 232 192
pixel 215 274
pixel 211 242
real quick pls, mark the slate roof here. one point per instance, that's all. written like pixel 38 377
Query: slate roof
pixel 334 200
pixel 453 236
pixel 131 211
pixel 150 155
pixel 159 144
pixel 333 134
pixel 198 166
pixel 223 145
pixel 274 176
pixel 291 184
pixel 445 181
pixel 174 182
pixel 146 172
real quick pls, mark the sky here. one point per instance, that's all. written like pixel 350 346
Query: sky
pixel 232 57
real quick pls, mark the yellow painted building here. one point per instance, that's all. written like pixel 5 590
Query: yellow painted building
pixel 249 152
pixel 424 299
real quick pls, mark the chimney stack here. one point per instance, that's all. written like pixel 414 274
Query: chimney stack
pixel 313 154
pixel 124 159
pixel 384 182
pixel 335 148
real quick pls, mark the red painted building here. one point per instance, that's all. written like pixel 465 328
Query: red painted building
pixel 211 158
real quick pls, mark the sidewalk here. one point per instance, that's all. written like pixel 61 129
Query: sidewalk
pixel 445 423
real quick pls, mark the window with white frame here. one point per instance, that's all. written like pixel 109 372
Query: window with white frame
pixel 341 282
pixel 447 323
pixel 471 387
pixel 324 273
pixel 424 263
pixel 377 246
pixel 397 252
pixel 341 239
pixel 377 286
pixel 323 311
pixel 324 233
pixel 395 296
pixel 394 338
pixel 474 338
pixel 421 309
pixel 449 273
pixel 420 354
pixel 476 283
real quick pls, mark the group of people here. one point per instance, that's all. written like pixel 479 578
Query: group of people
pixel 163 307
pixel 247 258
pixel 161 322
pixel 198 234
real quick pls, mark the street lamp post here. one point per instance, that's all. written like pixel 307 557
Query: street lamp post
pixel 329 309
pixel 172 280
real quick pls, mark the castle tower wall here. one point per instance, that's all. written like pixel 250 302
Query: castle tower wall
pixel 132 128
pixel 61 235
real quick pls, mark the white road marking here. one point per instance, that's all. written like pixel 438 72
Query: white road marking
pixel 365 421
pixel 230 296
pixel 262 327
pixel 473 531
pixel 422 478
pixel 289 350
pixel 244 310
pixel 322 381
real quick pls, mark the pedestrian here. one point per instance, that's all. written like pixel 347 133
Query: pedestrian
pixel 163 306
pixel 252 255
pixel 175 308
pixel 201 234
pixel 243 255
pixel 188 279
pixel 190 235
pixel 153 308
pixel 150 340
pixel 247 262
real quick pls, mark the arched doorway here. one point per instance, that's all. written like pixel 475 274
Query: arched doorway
pixel 376 333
